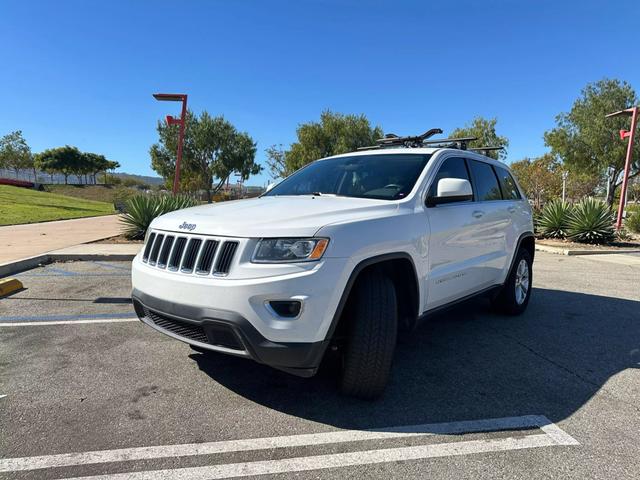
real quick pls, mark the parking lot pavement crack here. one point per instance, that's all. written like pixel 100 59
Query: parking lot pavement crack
pixel 567 370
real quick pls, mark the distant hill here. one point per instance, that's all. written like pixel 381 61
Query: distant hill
pixel 73 179
pixel 140 178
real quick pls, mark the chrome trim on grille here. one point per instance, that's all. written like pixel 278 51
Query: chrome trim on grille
pixel 190 254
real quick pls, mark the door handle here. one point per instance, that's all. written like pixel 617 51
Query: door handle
pixel 477 213
pixel 512 209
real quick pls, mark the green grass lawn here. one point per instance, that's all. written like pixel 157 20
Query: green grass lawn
pixel 22 205
pixel 99 193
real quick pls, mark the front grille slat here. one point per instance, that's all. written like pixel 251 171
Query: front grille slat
pixel 164 253
pixel 225 257
pixel 189 254
pixel 176 255
pixel 206 257
pixel 156 249
pixel 147 248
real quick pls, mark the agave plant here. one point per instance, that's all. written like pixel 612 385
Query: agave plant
pixel 553 220
pixel 591 221
pixel 142 209
pixel 633 220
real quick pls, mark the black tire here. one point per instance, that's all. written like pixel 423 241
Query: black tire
pixel 509 301
pixel 372 327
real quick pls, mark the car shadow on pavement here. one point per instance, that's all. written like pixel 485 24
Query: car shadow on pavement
pixel 465 364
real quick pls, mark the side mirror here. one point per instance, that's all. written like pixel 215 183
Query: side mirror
pixel 451 190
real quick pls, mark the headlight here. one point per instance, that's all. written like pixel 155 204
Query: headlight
pixel 276 250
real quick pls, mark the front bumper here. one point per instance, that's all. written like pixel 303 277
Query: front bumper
pixel 226 332
pixel 248 289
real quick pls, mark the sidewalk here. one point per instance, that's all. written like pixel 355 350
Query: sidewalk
pixel 22 241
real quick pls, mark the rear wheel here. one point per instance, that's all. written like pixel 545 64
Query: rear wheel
pixel 516 292
pixel 372 330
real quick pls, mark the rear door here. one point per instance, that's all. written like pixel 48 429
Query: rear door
pixel 495 225
pixel 518 210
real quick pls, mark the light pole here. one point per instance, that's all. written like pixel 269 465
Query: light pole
pixel 176 97
pixel 633 113
pixel 565 174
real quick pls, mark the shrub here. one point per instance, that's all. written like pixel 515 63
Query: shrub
pixel 553 220
pixel 142 209
pixel 591 221
pixel 623 235
pixel 633 221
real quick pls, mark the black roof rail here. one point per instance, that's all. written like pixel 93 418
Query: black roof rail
pixel 485 150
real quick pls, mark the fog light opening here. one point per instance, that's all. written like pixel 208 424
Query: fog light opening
pixel 285 308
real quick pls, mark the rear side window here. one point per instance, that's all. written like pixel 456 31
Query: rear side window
pixel 485 182
pixel 453 167
pixel 508 185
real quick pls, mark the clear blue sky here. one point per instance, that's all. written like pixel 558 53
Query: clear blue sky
pixel 82 73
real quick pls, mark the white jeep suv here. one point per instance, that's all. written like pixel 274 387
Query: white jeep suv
pixel 339 257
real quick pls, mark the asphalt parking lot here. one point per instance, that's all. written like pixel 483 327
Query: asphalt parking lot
pixel 86 390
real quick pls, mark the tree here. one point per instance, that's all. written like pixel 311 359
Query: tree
pixel 485 130
pixel 96 163
pixel 541 178
pixel 276 161
pixel 582 184
pixel 335 133
pixel 15 154
pixel 587 142
pixel 213 149
pixel 66 160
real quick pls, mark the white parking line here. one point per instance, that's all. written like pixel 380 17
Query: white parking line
pixel 552 433
pixel 321 462
pixel 67 322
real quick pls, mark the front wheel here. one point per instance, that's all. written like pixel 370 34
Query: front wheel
pixel 516 292
pixel 373 327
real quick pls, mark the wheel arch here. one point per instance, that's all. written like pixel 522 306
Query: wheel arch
pixel 401 268
pixel 527 241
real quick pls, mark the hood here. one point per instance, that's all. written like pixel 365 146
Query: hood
pixel 296 216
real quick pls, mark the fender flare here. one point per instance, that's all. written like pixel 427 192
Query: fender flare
pixel 518 245
pixel 368 262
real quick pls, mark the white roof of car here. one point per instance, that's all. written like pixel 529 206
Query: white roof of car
pixel 418 151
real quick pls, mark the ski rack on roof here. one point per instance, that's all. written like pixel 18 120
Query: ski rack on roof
pixel 393 140
pixel 485 150
pixel 459 143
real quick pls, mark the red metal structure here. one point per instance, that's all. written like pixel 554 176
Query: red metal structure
pixel 176 97
pixel 630 134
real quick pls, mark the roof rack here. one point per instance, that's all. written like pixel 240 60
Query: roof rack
pixel 459 143
pixel 393 140
pixel 485 150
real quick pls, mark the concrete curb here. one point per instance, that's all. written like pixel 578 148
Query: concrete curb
pixel 68 257
pixel 16 266
pixel 23 264
pixel 573 251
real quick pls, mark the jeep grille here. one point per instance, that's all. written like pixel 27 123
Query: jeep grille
pixel 190 254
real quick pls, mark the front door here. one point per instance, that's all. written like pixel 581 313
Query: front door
pixel 466 246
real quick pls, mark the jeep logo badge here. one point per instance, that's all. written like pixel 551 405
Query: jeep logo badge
pixel 187 226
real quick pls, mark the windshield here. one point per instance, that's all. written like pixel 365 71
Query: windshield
pixel 387 177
